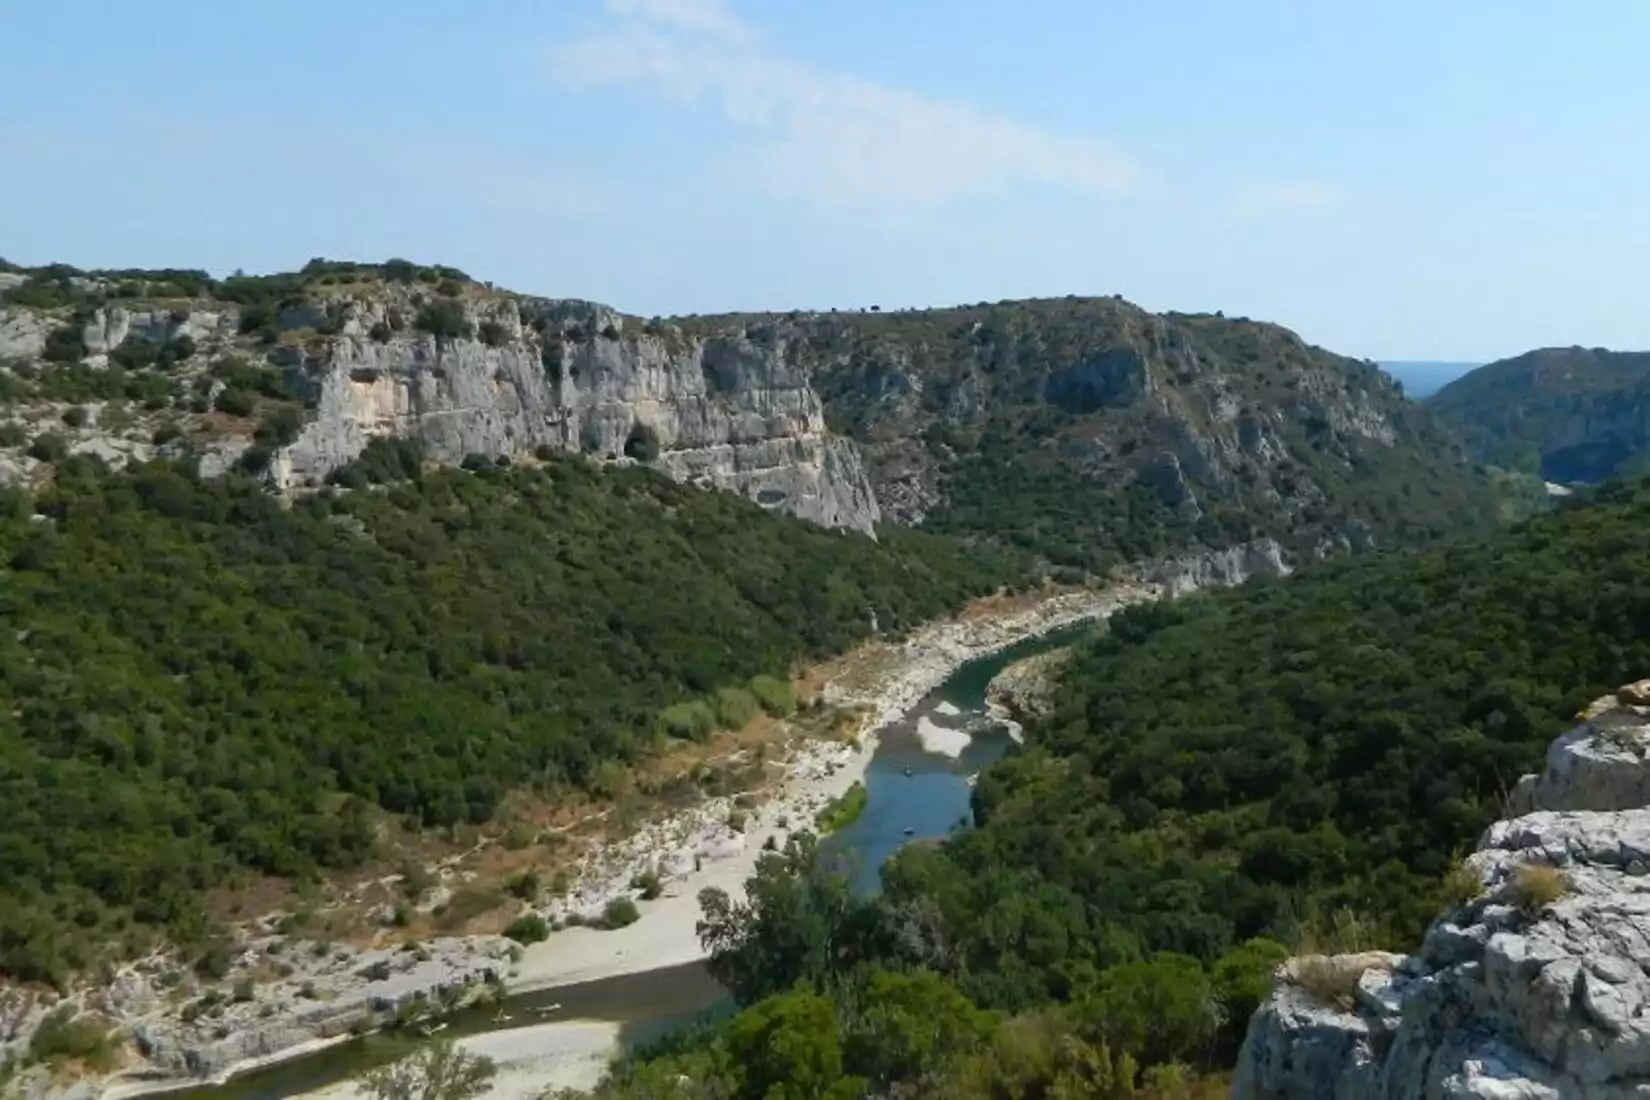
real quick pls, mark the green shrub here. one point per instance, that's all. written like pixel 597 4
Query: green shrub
pixel 380 332
pixel 649 884
pixel 773 695
pixel 65 345
pixel 244 991
pixel 64 1036
pixel 13 434
pixel 528 928
pixel 693 721
pixel 49 447
pixel 492 334
pixel 444 320
pixel 843 811
pixel 735 708
pixel 524 885
pixel 75 416
pixel 233 402
pixel 619 913
pixel 280 426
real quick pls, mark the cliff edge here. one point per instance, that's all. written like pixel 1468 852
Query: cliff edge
pixel 1535 988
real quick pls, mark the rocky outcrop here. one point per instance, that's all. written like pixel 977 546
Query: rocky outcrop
pixel 722 412
pixel 1183 574
pixel 506 377
pixel 1536 988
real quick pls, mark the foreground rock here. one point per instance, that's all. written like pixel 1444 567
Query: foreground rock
pixel 1535 989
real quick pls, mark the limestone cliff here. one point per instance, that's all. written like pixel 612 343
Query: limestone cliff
pixel 474 372
pixel 1536 989
pixel 1087 431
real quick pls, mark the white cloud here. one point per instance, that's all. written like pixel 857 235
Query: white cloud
pixel 704 16
pixel 1288 197
pixel 828 137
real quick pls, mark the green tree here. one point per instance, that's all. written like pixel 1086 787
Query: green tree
pixel 438 1071
pixel 787 1048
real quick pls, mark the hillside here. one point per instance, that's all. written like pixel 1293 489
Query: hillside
pixel 1295 764
pixel 1570 414
pixel 204 684
pixel 1085 430
pixel 1093 432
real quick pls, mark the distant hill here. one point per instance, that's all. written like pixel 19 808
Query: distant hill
pixel 1423 377
pixel 1571 414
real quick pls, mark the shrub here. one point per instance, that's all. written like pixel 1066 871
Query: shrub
pixel 49 447
pixel 376 972
pixel 181 348
pixel 443 320
pixel 528 928
pixel 492 333
pixel 244 991
pixel 1331 978
pixel 524 885
pixel 75 417
pixel 1461 884
pixel 380 332
pixel 773 695
pixel 619 913
pixel 280 426
pixel 214 962
pixel 844 811
pixel 65 345
pixel 13 434
pixel 65 1036
pixel 649 884
pixel 1536 885
pixel 233 402
pixel 476 463
pixel 693 720
pixel 735 707
pixel 135 353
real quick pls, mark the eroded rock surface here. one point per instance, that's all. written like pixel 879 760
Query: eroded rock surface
pixel 1535 989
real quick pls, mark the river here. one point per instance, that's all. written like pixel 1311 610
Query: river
pixel 911 794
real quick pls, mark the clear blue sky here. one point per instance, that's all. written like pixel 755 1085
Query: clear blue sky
pixel 1408 178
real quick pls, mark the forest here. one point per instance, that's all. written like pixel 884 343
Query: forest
pixel 202 681
pixel 1293 765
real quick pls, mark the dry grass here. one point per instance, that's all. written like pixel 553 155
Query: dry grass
pixel 1461 884
pixel 1329 978
pixel 1535 886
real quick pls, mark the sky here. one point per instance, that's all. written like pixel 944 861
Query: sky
pixel 1401 179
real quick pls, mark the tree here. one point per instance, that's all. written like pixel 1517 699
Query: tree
pixel 787 1048
pixel 439 1071
pixel 799 922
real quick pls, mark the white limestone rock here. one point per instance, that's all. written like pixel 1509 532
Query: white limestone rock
pixel 1506 999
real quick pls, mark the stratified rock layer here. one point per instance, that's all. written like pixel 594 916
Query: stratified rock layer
pixel 1538 988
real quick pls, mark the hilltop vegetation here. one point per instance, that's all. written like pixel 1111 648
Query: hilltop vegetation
pixel 1569 414
pixel 202 681
pixel 1085 430
pixel 1293 764
pixel 1093 432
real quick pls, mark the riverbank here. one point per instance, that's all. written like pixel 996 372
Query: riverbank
pixel 700 851
pixel 303 993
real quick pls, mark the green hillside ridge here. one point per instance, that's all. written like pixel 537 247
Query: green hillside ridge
pixel 1569 414
pixel 1086 430
pixel 202 682
pixel 1292 765
pixel 1094 432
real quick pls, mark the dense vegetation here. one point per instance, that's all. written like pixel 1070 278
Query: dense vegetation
pixel 1570 414
pixel 199 680
pixel 1094 433
pixel 1295 762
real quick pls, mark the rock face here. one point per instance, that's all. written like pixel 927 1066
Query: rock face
pixel 573 376
pixel 1537 988
pixel 1086 431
